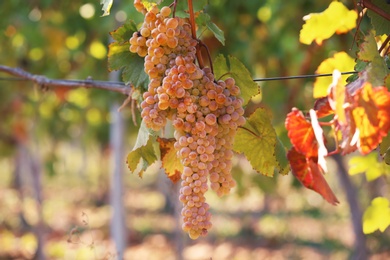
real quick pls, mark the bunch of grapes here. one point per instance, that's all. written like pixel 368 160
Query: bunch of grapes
pixel 205 112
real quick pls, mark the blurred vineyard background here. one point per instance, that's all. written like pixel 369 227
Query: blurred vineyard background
pixel 58 146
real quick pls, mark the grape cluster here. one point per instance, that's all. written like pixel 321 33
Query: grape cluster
pixel 205 112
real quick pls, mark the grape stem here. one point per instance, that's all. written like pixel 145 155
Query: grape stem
pixel 208 55
pixel 369 5
pixel 174 8
pixel 193 31
pixel 384 44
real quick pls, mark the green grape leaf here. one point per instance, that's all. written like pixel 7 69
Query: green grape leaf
pixel 182 7
pixel 387 80
pixel 376 216
pixel 368 49
pixel 198 5
pixel 107 4
pixel 281 157
pixel 257 141
pixel 377 71
pixel 204 20
pixel 380 24
pixel 321 26
pixel 384 149
pixel 143 153
pixel 386 158
pixel 359 66
pixel 385 145
pixel 340 61
pixel 368 164
pixel 169 160
pixel 119 57
pixel 234 68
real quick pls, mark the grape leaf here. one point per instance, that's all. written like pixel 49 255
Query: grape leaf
pixel 340 61
pixel 380 24
pixel 107 4
pixel 281 157
pixel 170 162
pixel 182 7
pixel 321 26
pixel 377 71
pixel 257 141
pixel 234 68
pixel 322 107
pixel 376 216
pixel 385 145
pixel 148 4
pixel 367 164
pixel 386 158
pixel 371 115
pixel 307 171
pixel 143 152
pixel 119 57
pixel 204 20
pixel 375 67
pixel 368 49
pixel 301 133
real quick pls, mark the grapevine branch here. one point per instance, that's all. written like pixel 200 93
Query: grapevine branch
pixel 369 5
pixel 46 82
pixel 193 31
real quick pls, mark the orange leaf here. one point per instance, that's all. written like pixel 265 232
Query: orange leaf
pixel 301 133
pixel 307 171
pixel 322 107
pixel 371 114
pixel 170 162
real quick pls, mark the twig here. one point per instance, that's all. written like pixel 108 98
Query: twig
pixel 193 31
pixel 46 82
pixel 208 55
pixel 369 5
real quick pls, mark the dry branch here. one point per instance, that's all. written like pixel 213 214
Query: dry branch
pixel 45 82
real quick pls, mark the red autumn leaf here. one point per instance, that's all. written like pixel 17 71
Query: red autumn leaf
pixel 308 172
pixel 301 133
pixel 371 115
pixel 322 107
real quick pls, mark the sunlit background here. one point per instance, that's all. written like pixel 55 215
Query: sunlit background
pixel 56 159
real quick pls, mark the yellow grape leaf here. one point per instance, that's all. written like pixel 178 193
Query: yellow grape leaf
pixel 369 165
pixel 340 61
pixel 257 141
pixel 143 153
pixel 150 3
pixel 321 26
pixel 106 6
pixel 369 48
pixel 376 216
pixel 170 162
